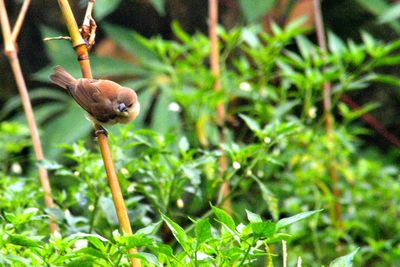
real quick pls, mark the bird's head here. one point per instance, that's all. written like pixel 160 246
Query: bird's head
pixel 127 106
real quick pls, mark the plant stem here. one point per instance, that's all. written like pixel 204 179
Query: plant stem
pixel 83 58
pixel 96 204
pixel 246 254
pixel 12 55
pixel 215 69
pixel 20 20
pixel 319 24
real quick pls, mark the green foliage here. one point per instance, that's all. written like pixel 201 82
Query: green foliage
pixel 253 10
pixel 385 11
pixel 167 161
pixel 102 8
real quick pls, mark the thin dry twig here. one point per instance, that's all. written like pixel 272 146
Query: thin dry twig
pixel 284 253
pixel 12 55
pixel 89 26
pixel 319 24
pixel 215 69
pixel 299 262
pixel 83 57
pixel 57 38
pixel 20 20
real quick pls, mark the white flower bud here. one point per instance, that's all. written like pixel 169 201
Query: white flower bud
pixel 179 203
pixel 124 171
pixel 245 86
pixel 173 106
pixel 82 243
pixel 236 165
pixel 16 168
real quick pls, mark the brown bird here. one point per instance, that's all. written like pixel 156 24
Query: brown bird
pixel 106 102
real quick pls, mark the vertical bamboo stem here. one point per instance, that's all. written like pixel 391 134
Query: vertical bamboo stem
pixel 319 24
pixel 84 62
pixel 215 69
pixel 12 55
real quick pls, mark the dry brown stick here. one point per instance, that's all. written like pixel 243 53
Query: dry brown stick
pixel 319 24
pixel 88 29
pixel 12 55
pixel 83 57
pixel 67 38
pixel 215 69
pixel 20 20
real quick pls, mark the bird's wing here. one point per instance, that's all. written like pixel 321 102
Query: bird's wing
pixel 90 97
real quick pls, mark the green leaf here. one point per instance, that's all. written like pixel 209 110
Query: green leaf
pixel 148 257
pixel 255 9
pixel 391 14
pixel 251 123
pixel 263 229
pixel 107 206
pixel 305 46
pixel 131 41
pixel 344 261
pixel 159 5
pixel 335 44
pixel 178 232
pixel 96 242
pixel 203 230
pixel 298 217
pixel 150 229
pixel 224 217
pixel 83 261
pixel 163 119
pixel 93 252
pixel 24 241
pixel 180 33
pixel 136 240
pixel 49 164
pixel 378 7
pixel 269 198
pixel 183 144
pixel 67 128
pixel 104 7
pixel 252 217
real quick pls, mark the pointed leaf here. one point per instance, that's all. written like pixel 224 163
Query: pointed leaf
pixel 263 229
pixel 252 217
pixel 288 221
pixel 344 261
pixel 203 230
pixel 251 123
pixel 224 217
pixel 178 232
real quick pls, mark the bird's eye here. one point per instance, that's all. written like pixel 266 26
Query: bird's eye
pixel 130 105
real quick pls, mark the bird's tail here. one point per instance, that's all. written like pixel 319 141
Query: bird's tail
pixel 62 78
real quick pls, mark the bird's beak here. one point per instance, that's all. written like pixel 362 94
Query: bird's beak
pixel 121 107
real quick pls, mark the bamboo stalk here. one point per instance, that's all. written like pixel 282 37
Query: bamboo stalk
pixel 319 24
pixel 83 57
pixel 220 111
pixel 12 55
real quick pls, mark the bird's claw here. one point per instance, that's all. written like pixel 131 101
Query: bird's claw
pixel 101 130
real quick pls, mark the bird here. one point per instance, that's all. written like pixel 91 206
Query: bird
pixel 106 102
